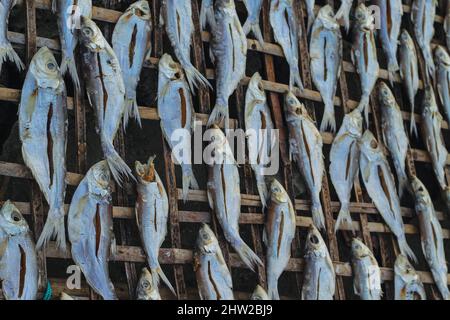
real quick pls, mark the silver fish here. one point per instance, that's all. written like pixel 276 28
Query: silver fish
pixel 132 45
pixel 380 185
pixel 285 25
pixel 152 213
pixel 229 49
pixel 106 93
pixel 431 236
pixel 443 77
pixel 18 259
pixel 344 163
pixel 306 149
pixel 423 13
pixel 43 132
pixel 366 272
pixel 90 228
pixel 6 50
pixel 409 72
pixel 325 50
pixel 176 112
pixel 364 55
pixel 146 288
pixel 319 276
pixel 344 13
pixel 310 11
pixel 259 126
pixel 447 28
pixel 213 277
pixel 224 196
pixel 259 294
pixel 279 231
pixel 406 281
pixel 176 15
pixel 432 135
pixel 252 23
pixel 394 135
pixel 391 12
pixel 69 13
pixel 207 15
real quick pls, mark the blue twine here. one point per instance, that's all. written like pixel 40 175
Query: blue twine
pixel 48 292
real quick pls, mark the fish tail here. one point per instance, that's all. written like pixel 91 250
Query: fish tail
pixel 344 217
pixel 272 288
pixel 317 214
pixel 68 64
pixel 262 190
pixel 219 114
pixel 118 167
pixel 294 77
pixel 7 53
pixel 157 273
pixel 403 184
pixel 254 27
pixel 392 69
pixel 206 13
pixel 131 111
pixel 412 125
pixel 328 119
pixel 405 249
pixel 247 255
pixel 311 18
pixel 195 78
pixel 54 226
pixel 189 181
pixel 364 106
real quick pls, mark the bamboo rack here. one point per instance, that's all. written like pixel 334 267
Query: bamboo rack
pixel 367 222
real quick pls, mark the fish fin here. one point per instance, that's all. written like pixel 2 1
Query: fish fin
pixel 294 77
pixel 366 173
pixel 212 56
pixel 157 273
pixel 209 195
pixel 189 181
pixel 113 247
pixel 317 214
pixel 272 289
pixel 54 226
pixel 161 19
pixel 131 111
pixel 118 167
pixel 7 53
pixel 247 255
pixel 403 184
pixel 341 14
pixel 195 78
pixel 68 64
pixel 207 14
pixel 412 125
pixel 392 69
pixel 311 18
pixel 405 249
pixel 328 119
pixel 262 190
pixel 219 114
pixel 55 6
pixel 265 237
pixel 364 106
pixel 344 217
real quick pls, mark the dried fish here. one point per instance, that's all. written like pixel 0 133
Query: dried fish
pixel 406 281
pixel 443 78
pixel 146 288
pixel 6 50
pixel 252 23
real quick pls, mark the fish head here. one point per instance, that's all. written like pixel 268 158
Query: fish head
pixel 293 106
pixel 353 122
pixel 91 35
pixel 441 56
pixel 404 269
pixel 140 9
pixel 255 86
pixel 385 95
pixel 420 192
pixel 224 4
pixel 314 242
pixel 146 172
pixel 326 17
pixel 406 39
pixel 369 145
pixel 364 18
pixel 206 241
pixel 429 100
pixel 359 249
pixel 11 220
pixel 277 193
pixel 169 68
pixel 259 294
pixel 146 288
pixel 45 69
pixel 99 181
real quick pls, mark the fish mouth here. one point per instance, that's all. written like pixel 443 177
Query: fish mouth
pixel 146 171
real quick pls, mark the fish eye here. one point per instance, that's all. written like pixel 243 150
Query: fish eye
pixel 88 32
pixel 373 144
pixel 51 66
pixel 145 284
pixel 358 247
pixel 16 217
pixel 276 189
pixel 205 236
pixel 313 239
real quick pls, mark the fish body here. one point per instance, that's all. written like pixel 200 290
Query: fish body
pixel 325 50
pixel 344 163
pixel 344 13
pixel 69 13
pixel 152 213
pixel 285 25
pixel 394 135
pixel 279 231
pixel 146 288
pixel 43 132
pixel 432 135
pixel 423 13
pixel 229 49
pixel 6 50
pixel 443 78
pixel 431 236
pixel 366 272
pixel 225 199
pixel 409 72
pixel 252 23
pixel 306 143
pixel 18 259
pixel 319 276
pixel 106 93
pixel 380 185
pixel 258 126
pixel 364 55
pixel 90 228
pixel 390 21
pixel 176 112
pixel 213 277
pixel 406 281
pixel 177 17
pixel 259 294
pixel 132 44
